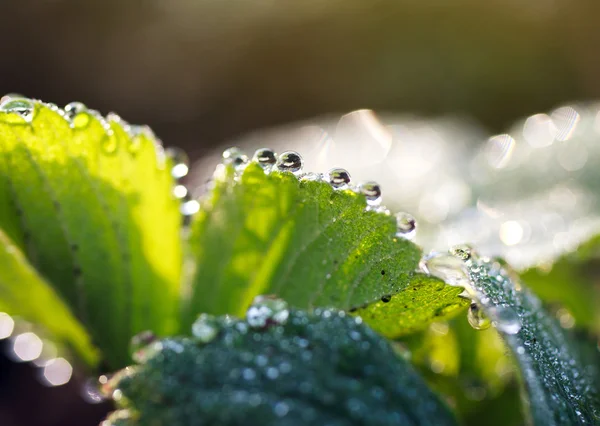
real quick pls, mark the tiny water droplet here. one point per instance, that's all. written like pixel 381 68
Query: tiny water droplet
pixel 139 346
pixel 477 319
pixel 311 177
pixel 290 161
pixel 23 108
pixel 180 191
pixel 505 319
pixel 189 207
pixel 265 157
pixel 180 162
pixel 205 328
pixel 463 252
pixel 338 178
pixel 267 310
pixel 372 192
pixel 235 157
pixel 406 225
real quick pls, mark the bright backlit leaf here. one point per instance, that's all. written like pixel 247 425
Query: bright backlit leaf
pixel 90 203
pixel 23 292
pixel 311 245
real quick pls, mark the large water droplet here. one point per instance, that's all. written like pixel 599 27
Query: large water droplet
pixel 477 319
pixel 290 161
pixel 372 192
pixel 505 319
pixel 23 108
pixel 180 162
pixel 265 157
pixel 406 225
pixel 235 157
pixel 339 178
pixel 448 268
pixel 76 113
pixel 139 347
pixel 205 328
pixel 267 310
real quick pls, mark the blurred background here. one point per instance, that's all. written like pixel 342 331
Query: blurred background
pixel 203 73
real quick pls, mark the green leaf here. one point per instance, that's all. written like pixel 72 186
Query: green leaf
pixel 556 379
pixel 23 292
pixel 261 233
pixel 90 202
pixel 318 368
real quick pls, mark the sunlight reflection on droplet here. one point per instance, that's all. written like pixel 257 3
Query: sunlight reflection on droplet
pixel 27 346
pixel 180 191
pixel 190 207
pixel 565 119
pixel 58 372
pixel 511 232
pixel 498 150
pixel 7 325
pixel 539 130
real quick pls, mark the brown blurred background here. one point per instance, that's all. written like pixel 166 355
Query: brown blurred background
pixel 202 71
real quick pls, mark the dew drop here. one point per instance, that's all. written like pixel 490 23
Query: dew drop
pixel 180 162
pixel 372 192
pixel 267 310
pixel 139 347
pixel 74 108
pixel 339 178
pixel 446 267
pixel 311 177
pixel 205 328
pixel 463 252
pixel 477 319
pixel 235 157
pixel 505 319
pixel 91 392
pixel 109 143
pixel 22 107
pixel 406 226
pixel 265 157
pixel 189 207
pixel 290 161
pixel 180 192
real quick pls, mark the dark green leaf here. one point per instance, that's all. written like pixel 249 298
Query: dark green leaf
pixel 322 368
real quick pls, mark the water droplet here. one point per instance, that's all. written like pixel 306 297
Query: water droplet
pixel 406 225
pixel 139 345
pixel 505 319
pixel 339 178
pixel 138 133
pixel 235 157
pixel 311 177
pixel 463 251
pixel 180 191
pixel 477 319
pixel 372 192
pixel 290 161
pixel 265 157
pixel 205 328
pixel 189 208
pixel 180 162
pixel 267 310
pixel 73 109
pixel 91 392
pixel 448 268
pixel 23 108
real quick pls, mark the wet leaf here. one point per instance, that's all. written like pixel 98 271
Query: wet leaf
pixel 318 368
pixel 556 378
pixel 24 293
pixel 89 200
pixel 313 246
